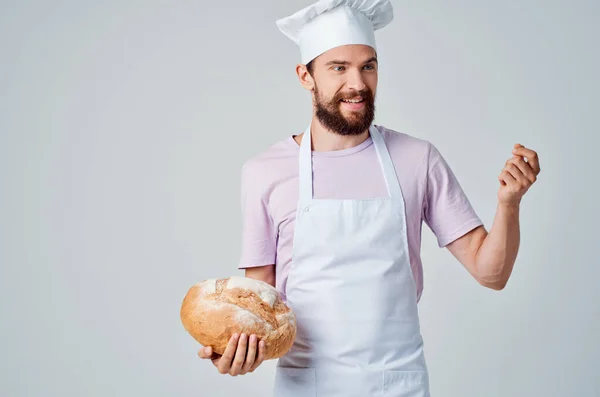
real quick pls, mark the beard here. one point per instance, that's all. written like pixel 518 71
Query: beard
pixel 329 112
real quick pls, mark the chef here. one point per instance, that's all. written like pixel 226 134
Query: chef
pixel 332 218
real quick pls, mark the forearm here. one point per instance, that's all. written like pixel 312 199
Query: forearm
pixel 498 251
pixel 262 273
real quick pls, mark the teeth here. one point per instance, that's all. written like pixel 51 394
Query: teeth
pixel 352 100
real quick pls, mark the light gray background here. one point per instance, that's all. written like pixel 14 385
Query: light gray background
pixel 123 127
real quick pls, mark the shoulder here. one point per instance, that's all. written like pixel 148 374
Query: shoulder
pixel 399 140
pixel 270 163
pixel 406 148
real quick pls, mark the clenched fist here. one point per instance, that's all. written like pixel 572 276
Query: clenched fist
pixel 517 176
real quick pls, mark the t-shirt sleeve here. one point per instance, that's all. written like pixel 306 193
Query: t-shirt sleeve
pixel 259 236
pixel 447 210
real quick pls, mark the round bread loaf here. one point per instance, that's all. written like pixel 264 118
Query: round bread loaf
pixel 215 309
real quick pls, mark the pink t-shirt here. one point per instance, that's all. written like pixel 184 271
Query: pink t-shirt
pixel 269 196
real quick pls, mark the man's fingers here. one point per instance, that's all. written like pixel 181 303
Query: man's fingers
pixel 251 356
pixel 203 353
pixel 261 355
pixel 531 155
pixel 506 178
pixel 515 173
pixel 224 364
pixel 524 167
pixel 207 352
pixel 240 356
pixel 243 354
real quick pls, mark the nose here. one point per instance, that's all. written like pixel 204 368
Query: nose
pixel 355 80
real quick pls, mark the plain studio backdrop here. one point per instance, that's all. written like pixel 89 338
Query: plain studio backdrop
pixel 123 129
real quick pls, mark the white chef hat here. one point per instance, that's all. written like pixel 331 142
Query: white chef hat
pixel 327 24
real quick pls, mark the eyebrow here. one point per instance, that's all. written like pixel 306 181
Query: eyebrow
pixel 337 62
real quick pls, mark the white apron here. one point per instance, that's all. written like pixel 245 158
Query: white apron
pixel 352 290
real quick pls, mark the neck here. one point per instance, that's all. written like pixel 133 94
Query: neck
pixel 324 140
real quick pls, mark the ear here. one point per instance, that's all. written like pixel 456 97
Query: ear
pixel 305 78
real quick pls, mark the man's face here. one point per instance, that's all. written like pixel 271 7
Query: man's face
pixel 345 86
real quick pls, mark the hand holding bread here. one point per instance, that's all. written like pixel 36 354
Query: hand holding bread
pixel 231 317
pixel 240 356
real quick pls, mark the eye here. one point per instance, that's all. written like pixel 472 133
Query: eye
pixel 370 66
pixel 341 68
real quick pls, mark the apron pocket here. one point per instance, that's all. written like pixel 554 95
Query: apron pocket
pixel 405 383
pixel 295 382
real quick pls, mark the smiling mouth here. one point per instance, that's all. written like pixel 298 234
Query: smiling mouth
pixel 359 100
pixel 353 105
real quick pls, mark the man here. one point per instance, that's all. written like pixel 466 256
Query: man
pixel 332 219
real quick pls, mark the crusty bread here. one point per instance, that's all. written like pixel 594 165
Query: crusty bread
pixel 215 309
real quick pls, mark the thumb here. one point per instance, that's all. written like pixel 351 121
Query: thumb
pixel 205 352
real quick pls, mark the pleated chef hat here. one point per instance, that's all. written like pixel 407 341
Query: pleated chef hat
pixel 327 24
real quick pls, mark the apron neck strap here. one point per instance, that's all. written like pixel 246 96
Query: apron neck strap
pixel 306 171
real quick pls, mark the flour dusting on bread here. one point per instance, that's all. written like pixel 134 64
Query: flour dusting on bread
pixel 214 309
pixel 266 292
